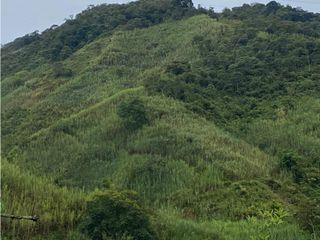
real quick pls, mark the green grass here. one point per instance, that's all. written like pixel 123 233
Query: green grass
pixel 24 194
pixel 173 227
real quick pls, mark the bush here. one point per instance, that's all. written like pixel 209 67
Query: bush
pixel 114 215
pixel 177 67
pixel 308 215
pixel 133 113
pixel 289 162
pixel 60 71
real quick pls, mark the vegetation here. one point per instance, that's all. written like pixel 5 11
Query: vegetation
pixel 157 120
pixel 58 43
pixel 59 209
pixel 133 114
pixel 117 215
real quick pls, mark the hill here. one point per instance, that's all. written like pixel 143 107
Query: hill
pixel 213 119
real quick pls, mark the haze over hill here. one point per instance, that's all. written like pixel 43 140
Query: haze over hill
pixel 158 120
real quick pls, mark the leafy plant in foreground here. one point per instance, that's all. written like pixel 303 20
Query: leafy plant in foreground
pixel 114 215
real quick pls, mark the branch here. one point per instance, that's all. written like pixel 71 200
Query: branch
pixel 33 218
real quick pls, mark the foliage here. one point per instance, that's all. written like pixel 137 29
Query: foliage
pixel 211 118
pixel 289 163
pixel 60 71
pixel 117 214
pixel 209 203
pixel 174 227
pixel 58 43
pixel 24 194
pixel 133 113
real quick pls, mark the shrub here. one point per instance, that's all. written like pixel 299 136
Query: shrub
pixel 133 113
pixel 289 162
pixel 60 71
pixel 113 214
pixel 308 215
pixel 178 67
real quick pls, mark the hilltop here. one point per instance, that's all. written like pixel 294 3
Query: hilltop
pixel 201 125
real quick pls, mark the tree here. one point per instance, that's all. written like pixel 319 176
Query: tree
pixel 272 7
pixel 290 162
pixel 113 214
pixel 185 3
pixel 133 113
pixel 59 70
pixel 178 67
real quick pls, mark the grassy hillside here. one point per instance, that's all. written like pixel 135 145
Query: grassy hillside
pixel 58 43
pixel 212 119
pixel 60 212
pixel 24 194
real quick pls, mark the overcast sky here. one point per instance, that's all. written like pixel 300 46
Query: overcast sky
pixel 19 17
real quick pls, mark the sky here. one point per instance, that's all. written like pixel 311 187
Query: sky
pixel 19 17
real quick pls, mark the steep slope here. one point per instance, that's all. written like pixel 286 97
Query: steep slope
pixel 73 132
pixel 58 43
pixel 194 114
pixel 60 210
pixel 24 194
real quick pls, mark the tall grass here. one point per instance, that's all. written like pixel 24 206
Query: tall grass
pixel 24 194
pixel 173 227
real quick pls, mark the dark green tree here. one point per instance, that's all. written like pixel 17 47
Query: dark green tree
pixel 185 3
pixel 60 71
pixel 114 215
pixel 290 162
pixel 133 113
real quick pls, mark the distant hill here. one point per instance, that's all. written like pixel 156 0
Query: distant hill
pixel 212 119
